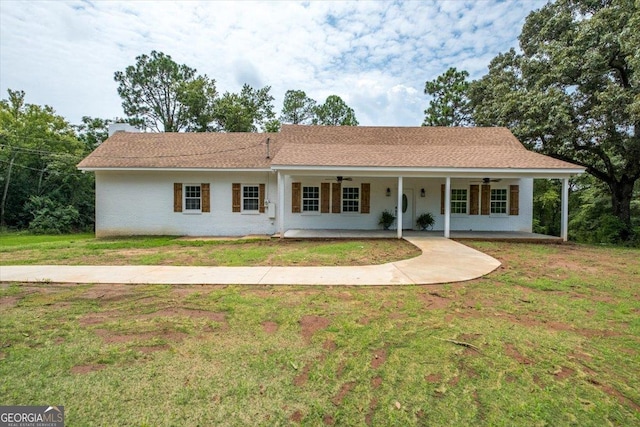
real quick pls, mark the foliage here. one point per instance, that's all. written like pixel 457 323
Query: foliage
pixel 574 92
pixel 450 105
pixel 38 157
pixel 386 219
pixel 166 96
pixel 334 112
pixel 249 111
pixel 297 108
pixel 50 216
pixel 546 206
pixel 425 220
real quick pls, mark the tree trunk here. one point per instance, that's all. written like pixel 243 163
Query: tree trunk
pixel 6 190
pixel 621 196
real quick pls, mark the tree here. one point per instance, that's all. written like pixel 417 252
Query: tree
pixel 574 92
pixel 249 111
pixel 166 96
pixel 450 105
pixel 38 154
pixel 297 108
pixel 335 112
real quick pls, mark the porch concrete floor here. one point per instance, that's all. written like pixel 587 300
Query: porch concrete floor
pixel 442 261
pixel 390 234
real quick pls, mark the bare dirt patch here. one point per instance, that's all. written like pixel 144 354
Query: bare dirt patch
pixel 302 378
pixel 511 351
pixel 563 373
pixel 329 345
pixel 434 301
pixel 98 318
pixel 624 400
pixel 344 390
pixel 311 324
pixel 433 378
pixel 109 292
pixel 378 358
pixel 269 327
pixel 373 404
pixel 9 301
pixel 376 382
pixel 328 420
pixel 85 369
pixel 296 417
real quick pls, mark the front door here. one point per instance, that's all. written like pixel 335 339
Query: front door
pixel 407 209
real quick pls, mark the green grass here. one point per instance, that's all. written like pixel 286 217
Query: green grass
pixel 555 334
pixel 166 250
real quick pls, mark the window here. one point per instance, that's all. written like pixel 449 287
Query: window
pixel 350 199
pixel 250 198
pixel 192 198
pixel 310 199
pixel 499 201
pixel 459 201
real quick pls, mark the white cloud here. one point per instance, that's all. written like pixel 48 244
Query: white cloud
pixel 375 55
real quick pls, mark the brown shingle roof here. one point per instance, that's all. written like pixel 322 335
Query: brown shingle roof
pixel 423 147
pixel 308 146
pixel 184 150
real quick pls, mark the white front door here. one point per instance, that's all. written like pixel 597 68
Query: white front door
pixel 407 209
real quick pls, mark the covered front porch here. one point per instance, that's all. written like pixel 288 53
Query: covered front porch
pixel 461 202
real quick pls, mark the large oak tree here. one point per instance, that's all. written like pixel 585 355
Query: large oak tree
pixel 574 91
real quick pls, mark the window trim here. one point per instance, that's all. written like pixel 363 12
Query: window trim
pixel 186 210
pixel 466 202
pixel 317 199
pixel 505 202
pixel 242 199
pixel 358 200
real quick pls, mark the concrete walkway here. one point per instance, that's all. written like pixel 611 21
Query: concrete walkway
pixel 442 261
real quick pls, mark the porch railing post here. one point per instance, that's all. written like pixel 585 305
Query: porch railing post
pixel 564 225
pixel 281 185
pixel 399 208
pixel 447 207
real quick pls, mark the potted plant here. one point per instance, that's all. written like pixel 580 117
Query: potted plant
pixel 425 221
pixel 386 219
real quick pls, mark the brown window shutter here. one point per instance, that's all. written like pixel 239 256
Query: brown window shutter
pixel 324 197
pixel 296 197
pixel 514 200
pixel 442 188
pixel 206 197
pixel 236 200
pixel 336 197
pixel 365 205
pixel 473 199
pixel 486 200
pixel 177 197
pixel 261 194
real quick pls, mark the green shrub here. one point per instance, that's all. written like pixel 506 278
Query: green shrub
pixel 50 217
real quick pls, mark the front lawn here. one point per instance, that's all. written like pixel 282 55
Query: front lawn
pixel 83 249
pixel 550 338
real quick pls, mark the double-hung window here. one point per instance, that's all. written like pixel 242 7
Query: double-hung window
pixel 310 199
pixel 459 201
pixel 250 198
pixel 498 200
pixel 192 198
pixel 350 199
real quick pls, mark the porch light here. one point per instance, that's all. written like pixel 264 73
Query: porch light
pixel 422 192
pixel 388 192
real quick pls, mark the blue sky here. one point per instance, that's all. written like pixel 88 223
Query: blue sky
pixel 376 55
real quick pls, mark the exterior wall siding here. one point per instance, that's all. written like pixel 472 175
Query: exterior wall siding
pixel 141 203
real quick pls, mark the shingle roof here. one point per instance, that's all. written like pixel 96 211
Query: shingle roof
pixel 308 146
pixel 184 150
pixel 424 147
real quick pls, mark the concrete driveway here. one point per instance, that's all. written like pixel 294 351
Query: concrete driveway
pixel 442 261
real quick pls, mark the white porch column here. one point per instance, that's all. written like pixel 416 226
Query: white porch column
pixel 447 207
pixel 564 222
pixel 281 185
pixel 399 218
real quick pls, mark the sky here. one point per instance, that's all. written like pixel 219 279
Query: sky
pixel 375 55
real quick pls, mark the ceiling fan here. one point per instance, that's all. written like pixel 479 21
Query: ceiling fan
pixel 488 180
pixel 340 178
